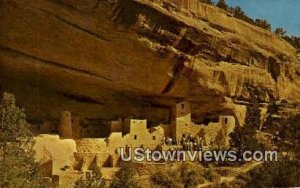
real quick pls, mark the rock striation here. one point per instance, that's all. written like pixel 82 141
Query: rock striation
pixel 107 59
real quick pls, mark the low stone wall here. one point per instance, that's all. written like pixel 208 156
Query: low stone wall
pixel 91 145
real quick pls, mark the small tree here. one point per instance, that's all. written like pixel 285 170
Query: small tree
pixel 125 178
pixel 17 163
pixel 263 24
pixel 280 32
pixel 293 40
pixel 240 14
pixel 222 4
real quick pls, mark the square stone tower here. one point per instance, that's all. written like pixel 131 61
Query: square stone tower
pixel 181 119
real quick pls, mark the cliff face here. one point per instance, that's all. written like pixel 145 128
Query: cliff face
pixel 104 59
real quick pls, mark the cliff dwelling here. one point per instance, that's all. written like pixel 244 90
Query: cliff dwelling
pixel 98 76
pixel 84 152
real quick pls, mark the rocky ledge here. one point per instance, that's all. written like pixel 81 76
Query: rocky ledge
pixel 104 59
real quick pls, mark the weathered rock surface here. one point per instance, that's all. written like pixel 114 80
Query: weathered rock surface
pixel 104 59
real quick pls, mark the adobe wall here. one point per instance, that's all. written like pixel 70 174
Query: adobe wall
pixel 140 136
pixel 182 120
pixel 183 111
pixel 52 148
pixel 225 124
pixel 167 129
pixel 156 136
pixel 114 142
pixel 91 151
pixel 105 152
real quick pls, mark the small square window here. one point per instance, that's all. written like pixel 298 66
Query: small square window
pixel 135 137
pixel 154 137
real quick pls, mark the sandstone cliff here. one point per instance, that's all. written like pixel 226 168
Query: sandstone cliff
pixel 105 58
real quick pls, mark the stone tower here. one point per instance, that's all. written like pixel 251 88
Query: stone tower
pixel 65 125
pixel 181 119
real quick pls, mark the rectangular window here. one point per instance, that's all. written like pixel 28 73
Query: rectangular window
pixel 154 138
pixel 226 120
pixel 135 137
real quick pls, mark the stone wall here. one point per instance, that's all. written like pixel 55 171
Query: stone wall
pixel 91 145
pixel 139 136
pixel 65 125
pixel 116 126
pixel 181 119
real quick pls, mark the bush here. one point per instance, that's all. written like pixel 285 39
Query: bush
pixel 240 14
pixel 263 24
pixel 167 179
pixel 92 179
pixel 191 174
pixel 280 32
pixel 187 175
pixel 211 174
pixel 293 40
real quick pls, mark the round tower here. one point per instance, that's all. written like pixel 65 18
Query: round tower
pixel 65 125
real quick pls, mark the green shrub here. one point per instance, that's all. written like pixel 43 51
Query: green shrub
pixel 284 173
pixel 17 162
pixel 211 174
pixel 167 179
pixel 191 174
pixel 187 175
pixel 125 178
pixel 222 4
pixel 92 179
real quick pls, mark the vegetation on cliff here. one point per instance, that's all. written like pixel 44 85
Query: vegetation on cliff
pixel 237 12
pixel 282 173
pixel 92 179
pixel 188 174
